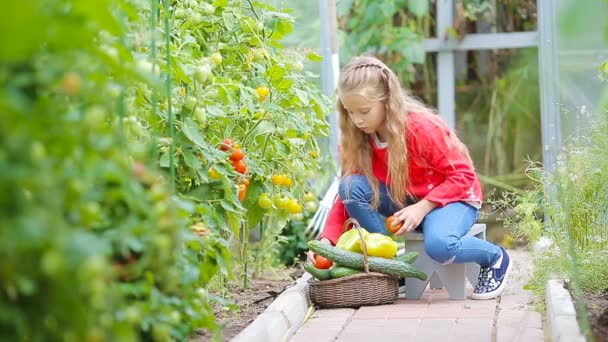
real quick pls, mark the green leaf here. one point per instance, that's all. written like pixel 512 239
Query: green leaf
pixel 414 52
pixel 228 206
pixel 191 159
pixel 255 213
pixel 164 160
pixel 419 8
pixel 234 221
pixel 275 73
pixel 220 3
pixel 192 132
pixel 284 84
pixel 314 57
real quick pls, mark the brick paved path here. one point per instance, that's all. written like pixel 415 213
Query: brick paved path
pixel 434 317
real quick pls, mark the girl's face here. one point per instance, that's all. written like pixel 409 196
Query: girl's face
pixel 369 116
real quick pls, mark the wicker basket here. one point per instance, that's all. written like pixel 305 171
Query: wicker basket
pixel 369 288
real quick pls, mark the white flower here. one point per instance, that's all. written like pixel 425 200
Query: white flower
pixel 542 245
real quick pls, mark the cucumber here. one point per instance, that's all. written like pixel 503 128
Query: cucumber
pixel 408 257
pixel 341 271
pixel 317 272
pixel 355 260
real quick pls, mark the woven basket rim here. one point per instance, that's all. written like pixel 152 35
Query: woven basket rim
pixel 350 277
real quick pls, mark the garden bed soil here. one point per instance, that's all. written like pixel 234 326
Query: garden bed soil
pixel 597 306
pixel 251 302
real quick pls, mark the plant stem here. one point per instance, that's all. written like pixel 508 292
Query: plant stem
pixel 168 93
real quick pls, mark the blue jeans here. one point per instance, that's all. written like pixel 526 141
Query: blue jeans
pixel 445 228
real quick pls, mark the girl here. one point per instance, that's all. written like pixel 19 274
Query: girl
pixel 399 158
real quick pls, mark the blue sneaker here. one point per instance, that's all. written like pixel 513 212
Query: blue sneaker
pixel 492 280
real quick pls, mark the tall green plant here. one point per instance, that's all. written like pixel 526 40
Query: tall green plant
pixel 231 79
pixel 92 243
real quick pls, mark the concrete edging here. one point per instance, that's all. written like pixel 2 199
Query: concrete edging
pixel 287 310
pixel 561 314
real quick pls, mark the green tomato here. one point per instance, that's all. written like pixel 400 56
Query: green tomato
pixel 175 317
pixel 179 13
pixel 202 73
pixel 93 266
pixel 258 55
pixel 162 242
pixel 37 151
pixel 51 263
pixel 311 206
pixel 132 315
pixel 200 115
pixel 281 201
pixel 95 118
pixel 264 201
pixel 208 9
pixel 90 213
pixel 259 27
pixel 190 102
pixel 196 18
pixel 297 217
pixel 216 58
pixel 309 197
pixel 161 332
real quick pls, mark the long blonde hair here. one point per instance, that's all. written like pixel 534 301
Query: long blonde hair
pixel 371 78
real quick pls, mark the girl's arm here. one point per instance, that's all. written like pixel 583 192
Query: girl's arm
pixel 460 177
pixel 335 222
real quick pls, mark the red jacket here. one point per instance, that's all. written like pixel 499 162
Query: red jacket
pixel 438 172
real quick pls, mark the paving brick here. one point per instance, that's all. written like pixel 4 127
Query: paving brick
pixel 533 335
pixel 406 310
pixel 380 329
pixel 472 329
pixel 323 325
pixel 448 308
pixel 435 329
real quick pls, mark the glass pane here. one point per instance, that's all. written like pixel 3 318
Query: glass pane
pixel 582 46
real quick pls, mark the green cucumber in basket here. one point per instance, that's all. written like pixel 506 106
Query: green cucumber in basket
pixel 355 260
pixel 317 272
pixel 337 271
pixel 408 257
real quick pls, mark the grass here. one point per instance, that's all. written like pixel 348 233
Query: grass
pixel 573 199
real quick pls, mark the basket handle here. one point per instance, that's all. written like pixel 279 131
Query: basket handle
pixel 357 226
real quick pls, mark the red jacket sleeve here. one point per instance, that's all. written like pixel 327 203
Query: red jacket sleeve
pixel 460 177
pixel 335 222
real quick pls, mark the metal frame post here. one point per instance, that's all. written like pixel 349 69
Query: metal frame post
pixel 549 83
pixel 330 68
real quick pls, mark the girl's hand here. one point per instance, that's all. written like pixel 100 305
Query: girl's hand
pixel 310 256
pixel 412 215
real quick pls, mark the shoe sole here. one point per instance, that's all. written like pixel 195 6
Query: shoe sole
pixel 498 291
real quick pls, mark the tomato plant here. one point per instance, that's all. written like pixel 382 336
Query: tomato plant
pixel 134 156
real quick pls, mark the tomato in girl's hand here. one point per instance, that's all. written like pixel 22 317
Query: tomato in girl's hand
pixel 392 225
pixel 322 262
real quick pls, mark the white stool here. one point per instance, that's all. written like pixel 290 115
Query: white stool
pixel 452 276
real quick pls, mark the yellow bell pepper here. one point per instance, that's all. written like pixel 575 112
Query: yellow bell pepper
pixel 380 245
pixel 351 241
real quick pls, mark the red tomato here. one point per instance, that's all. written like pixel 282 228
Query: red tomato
pixel 322 262
pixel 239 166
pixel 226 145
pixel 242 192
pixel 237 154
pixel 393 226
